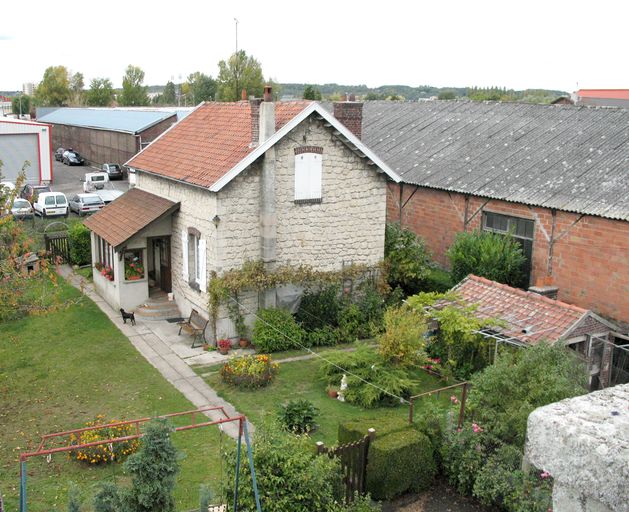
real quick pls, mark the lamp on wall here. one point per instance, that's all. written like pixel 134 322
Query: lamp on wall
pixel 216 220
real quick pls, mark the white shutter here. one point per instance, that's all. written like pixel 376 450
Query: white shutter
pixel 301 177
pixel 184 255
pixel 202 265
pixel 308 167
pixel 314 178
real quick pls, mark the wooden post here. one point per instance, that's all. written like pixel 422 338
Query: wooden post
pixel 410 411
pixel 462 408
pixel 320 447
pixel 371 433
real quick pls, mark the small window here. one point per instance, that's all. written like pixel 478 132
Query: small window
pixel 133 265
pixel 308 172
pixel 49 201
pixel 194 259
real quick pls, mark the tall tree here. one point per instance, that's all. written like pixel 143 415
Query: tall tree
pixel 311 93
pixel 21 104
pixel 54 89
pixel 133 92
pixel 237 73
pixel 200 87
pixel 77 83
pixel 168 96
pixel 100 93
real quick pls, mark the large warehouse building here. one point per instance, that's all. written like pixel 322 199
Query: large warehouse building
pixel 22 141
pixel 106 134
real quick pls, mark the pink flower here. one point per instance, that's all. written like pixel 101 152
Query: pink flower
pixel 476 428
pixel 544 474
pixel 454 399
pixel 459 430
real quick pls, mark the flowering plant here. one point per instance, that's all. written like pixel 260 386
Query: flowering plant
pixel 224 344
pixel 107 272
pixel 249 371
pixel 103 453
pixel 133 270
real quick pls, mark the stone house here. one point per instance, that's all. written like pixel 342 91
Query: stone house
pixel 285 183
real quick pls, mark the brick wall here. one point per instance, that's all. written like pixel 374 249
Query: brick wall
pixel 150 134
pixel 590 256
pixel 350 113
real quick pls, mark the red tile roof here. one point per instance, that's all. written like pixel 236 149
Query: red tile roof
pixel 615 94
pixel 209 142
pixel 127 215
pixel 544 318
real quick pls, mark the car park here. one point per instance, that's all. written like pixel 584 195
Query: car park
pixel 59 154
pixel 50 204
pixel 30 192
pixel 84 204
pixel 114 171
pixel 21 209
pixel 71 157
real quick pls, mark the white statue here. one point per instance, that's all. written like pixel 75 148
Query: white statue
pixel 341 394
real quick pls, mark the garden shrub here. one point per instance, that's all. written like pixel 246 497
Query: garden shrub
pixel 491 255
pixel 104 453
pixel 319 308
pixel 407 258
pixel 107 498
pixel 80 244
pixel 298 416
pixel 323 337
pixel 403 339
pixel 437 280
pixel 351 431
pixel 351 324
pixel 249 371
pixel 275 330
pixel 399 462
pixel 361 504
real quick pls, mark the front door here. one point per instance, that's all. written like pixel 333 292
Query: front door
pixel 160 271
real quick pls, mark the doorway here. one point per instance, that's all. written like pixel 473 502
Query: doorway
pixel 159 263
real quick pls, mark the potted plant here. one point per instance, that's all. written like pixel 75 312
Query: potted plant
pixel 332 392
pixel 133 271
pixel 223 346
pixel 243 342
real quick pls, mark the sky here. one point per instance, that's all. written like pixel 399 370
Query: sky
pixel 551 44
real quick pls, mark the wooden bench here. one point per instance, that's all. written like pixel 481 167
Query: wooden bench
pixel 195 327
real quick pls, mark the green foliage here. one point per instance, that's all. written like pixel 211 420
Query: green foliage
pixel 406 257
pixel 100 93
pixel 398 463
pixel 289 474
pixel 311 93
pixel 319 308
pixel 54 89
pixel 169 94
pixel 133 92
pixel 80 244
pixel 387 381
pixel 74 498
pixel 403 339
pixel 323 337
pixel 202 87
pixel 504 394
pixel 351 324
pixel 107 498
pixel 205 496
pixel 239 72
pixel 77 83
pixel 153 471
pixel 275 330
pixel 351 431
pixel 361 504
pixel 298 416
pixel 21 104
pixel 486 254
pixel 437 280
pixel 446 95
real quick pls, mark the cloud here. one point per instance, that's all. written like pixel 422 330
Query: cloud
pixel 6 37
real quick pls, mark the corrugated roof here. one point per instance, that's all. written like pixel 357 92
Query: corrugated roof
pixel 128 121
pixel 129 214
pixel 556 156
pixel 208 143
pixel 528 316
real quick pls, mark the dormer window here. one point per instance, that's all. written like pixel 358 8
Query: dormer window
pixel 308 174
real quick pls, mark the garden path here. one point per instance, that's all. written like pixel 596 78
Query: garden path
pixel 159 343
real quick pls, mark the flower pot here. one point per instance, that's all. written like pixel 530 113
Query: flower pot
pixel 243 343
pixel 333 393
pixel 223 351
pixel 134 278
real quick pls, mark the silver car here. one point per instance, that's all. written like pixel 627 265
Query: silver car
pixel 21 209
pixel 83 204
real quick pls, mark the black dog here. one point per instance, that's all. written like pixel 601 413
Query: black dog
pixel 127 316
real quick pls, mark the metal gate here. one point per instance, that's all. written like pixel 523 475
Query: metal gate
pixel 353 458
pixel 57 247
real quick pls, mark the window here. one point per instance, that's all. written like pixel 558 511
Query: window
pixel 523 230
pixel 308 173
pixel 104 255
pixel 194 259
pixel 133 265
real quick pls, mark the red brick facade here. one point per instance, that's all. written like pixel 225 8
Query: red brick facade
pixel 588 259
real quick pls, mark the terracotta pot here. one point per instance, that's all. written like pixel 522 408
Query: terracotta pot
pixel 134 278
pixel 243 343
pixel 223 351
pixel 333 393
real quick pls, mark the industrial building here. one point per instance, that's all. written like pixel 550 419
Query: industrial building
pixel 25 141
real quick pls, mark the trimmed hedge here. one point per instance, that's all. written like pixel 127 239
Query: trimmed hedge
pixel 276 330
pixel 80 244
pixel 400 460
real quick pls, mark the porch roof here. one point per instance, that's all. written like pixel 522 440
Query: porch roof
pixel 128 215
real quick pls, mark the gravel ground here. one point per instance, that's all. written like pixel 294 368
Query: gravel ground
pixel 440 498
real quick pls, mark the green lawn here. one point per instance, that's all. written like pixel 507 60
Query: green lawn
pixel 58 371
pixel 298 380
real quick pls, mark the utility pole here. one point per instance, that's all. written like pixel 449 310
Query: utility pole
pixel 236 34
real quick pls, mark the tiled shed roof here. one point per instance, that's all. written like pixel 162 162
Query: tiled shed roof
pixel 129 214
pixel 208 143
pixel 541 317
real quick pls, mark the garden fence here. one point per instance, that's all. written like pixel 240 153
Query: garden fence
pixel 57 246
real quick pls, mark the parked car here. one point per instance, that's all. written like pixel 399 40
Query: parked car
pixel 59 154
pixel 21 209
pixel 109 195
pixel 83 204
pixel 71 157
pixel 95 181
pixel 51 203
pixel 30 192
pixel 114 171
pixel 7 185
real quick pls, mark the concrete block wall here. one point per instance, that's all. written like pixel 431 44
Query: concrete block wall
pixel 590 262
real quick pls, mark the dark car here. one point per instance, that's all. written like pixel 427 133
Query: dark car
pixel 71 157
pixel 30 192
pixel 59 154
pixel 114 171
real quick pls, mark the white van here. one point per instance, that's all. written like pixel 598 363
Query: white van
pixel 95 181
pixel 51 203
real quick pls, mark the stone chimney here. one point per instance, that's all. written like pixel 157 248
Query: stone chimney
pixel 255 121
pixel 549 291
pixel 267 115
pixel 350 113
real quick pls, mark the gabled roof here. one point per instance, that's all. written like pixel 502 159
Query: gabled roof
pixel 128 215
pixel 556 156
pixel 619 94
pixel 213 144
pixel 118 120
pixel 528 316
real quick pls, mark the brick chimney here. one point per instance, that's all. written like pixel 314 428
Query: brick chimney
pixel 350 113
pixel 255 121
pixel 545 291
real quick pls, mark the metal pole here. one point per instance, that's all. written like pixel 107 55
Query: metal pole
pixel 236 34
pixel 22 486
pixel 237 465
pixel 252 468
